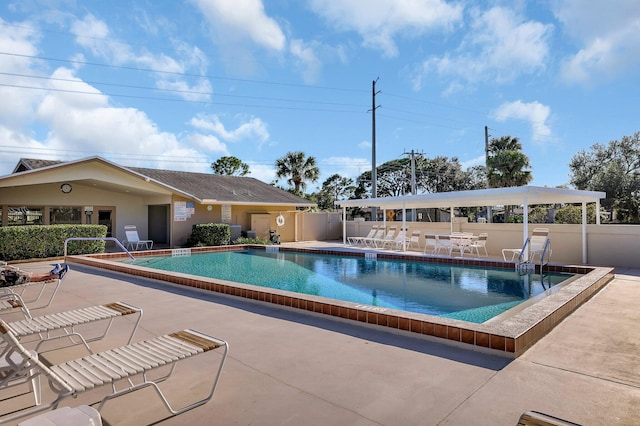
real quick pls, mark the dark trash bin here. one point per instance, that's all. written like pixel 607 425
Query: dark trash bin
pixel 274 237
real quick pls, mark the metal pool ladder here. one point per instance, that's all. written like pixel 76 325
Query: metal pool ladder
pixel 527 266
pixel 96 239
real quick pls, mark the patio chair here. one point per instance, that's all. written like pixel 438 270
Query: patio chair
pixel 443 242
pixel 480 243
pixel 13 296
pixel 361 240
pixel 414 239
pixel 128 366
pixel 133 239
pixel 430 241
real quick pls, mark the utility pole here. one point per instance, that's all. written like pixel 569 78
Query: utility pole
pixel 374 189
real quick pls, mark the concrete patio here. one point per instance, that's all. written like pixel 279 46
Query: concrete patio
pixel 292 367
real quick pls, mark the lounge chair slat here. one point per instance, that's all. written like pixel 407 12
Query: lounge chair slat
pixel 122 358
pixel 68 375
pixel 155 347
pixel 108 358
pixel 141 356
pixel 98 372
pixel 83 370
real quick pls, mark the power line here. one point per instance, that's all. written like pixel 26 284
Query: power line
pixel 183 74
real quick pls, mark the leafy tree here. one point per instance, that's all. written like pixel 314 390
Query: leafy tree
pixel 614 169
pixel 334 188
pixel 230 166
pixel 538 214
pixel 442 174
pixel 573 214
pixel 297 168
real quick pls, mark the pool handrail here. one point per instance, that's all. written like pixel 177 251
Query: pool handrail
pixel 97 239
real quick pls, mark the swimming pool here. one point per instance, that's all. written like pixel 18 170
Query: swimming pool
pixel 472 294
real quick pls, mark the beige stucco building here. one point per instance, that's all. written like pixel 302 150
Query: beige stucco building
pixel 163 204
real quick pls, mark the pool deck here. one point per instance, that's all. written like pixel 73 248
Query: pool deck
pixel 291 367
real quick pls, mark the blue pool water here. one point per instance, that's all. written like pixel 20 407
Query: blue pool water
pixel 468 293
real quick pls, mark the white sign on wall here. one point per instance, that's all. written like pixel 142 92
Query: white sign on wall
pixel 226 213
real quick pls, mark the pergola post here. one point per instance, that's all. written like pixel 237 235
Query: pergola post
pixel 584 233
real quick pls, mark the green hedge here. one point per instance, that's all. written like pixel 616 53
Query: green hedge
pixel 209 234
pixel 42 241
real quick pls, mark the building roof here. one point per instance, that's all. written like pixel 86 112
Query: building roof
pixel 202 187
pixel 32 163
pixel 212 187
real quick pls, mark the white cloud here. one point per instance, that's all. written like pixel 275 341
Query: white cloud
pixel 350 167
pixel 243 19
pixel 535 113
pixel 94 35
pixel 379 22
pixel 364 145
pixel 306 59
pixel 499 46
pixel 478 161
pixel 262 172
pixel 608 35
pixel 17 102
pixel 208 143
pixel 253 130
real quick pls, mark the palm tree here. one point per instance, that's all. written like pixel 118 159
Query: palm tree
pixel 298 168
pixel 506 163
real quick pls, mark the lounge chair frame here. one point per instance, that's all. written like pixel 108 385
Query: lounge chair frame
pixel 63 325
pixel 133 239
pixel 17 294
pixel 115 366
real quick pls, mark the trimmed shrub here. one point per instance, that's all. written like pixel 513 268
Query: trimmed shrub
pixel 209 234
pixel 245 240
pixel 43 241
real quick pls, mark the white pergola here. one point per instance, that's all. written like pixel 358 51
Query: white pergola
pixel 519 196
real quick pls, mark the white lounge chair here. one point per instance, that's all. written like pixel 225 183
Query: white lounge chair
pixel 63 325
pixel 377 236
pixel 399 241
pixel 537 243
pixel 133 239
pixel 123 366
pixel 14 296
pixel 388 238
pixel 361 240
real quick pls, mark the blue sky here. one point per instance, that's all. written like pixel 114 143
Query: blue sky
pixel 177 85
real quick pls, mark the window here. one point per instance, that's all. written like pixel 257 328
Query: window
pixel 20 216
pixel 65 215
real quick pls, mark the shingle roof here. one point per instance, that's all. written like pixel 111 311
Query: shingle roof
pixel 222 188
pixel 33 163
pixel 202 186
